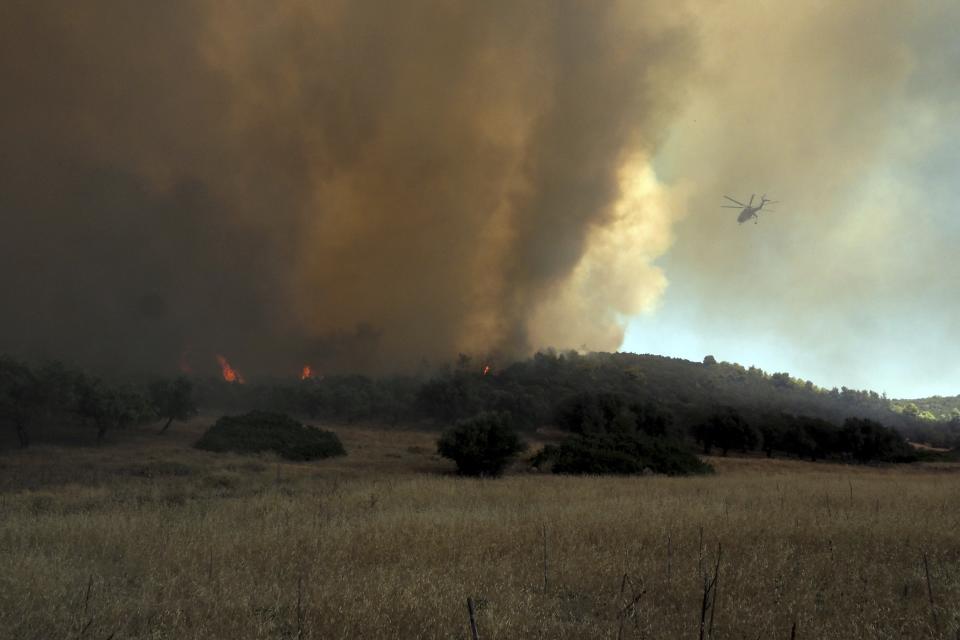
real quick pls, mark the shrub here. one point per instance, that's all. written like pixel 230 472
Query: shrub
pixel 482 445
pixel 261 431
pixel 622 454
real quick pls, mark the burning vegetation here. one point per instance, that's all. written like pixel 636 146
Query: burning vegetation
pixel 229 373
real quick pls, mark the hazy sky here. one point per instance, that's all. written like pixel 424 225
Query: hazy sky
pixel 850 117
pixel 368 185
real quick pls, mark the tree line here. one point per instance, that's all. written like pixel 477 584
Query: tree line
pixel 607 433
pixel 72 402
pixel 531 391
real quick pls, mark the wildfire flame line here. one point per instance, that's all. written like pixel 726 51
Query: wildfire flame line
pixel 229 373
pixel 306 373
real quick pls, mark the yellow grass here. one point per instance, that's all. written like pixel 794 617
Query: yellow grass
pixel 178 543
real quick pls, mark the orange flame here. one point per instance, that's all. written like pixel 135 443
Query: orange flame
pixel 486 369
pixel 306 373
pixel 229 373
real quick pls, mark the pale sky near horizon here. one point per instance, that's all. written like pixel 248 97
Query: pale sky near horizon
pixel 859 288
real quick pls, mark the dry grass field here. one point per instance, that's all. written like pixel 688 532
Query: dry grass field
pixel 148 538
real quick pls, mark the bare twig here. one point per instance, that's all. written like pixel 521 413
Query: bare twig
pixel 83 631
pixel 669 558
pixel 473 620
pixel 700 553
pixel 86 605
pixel 709 597
pixel 623 586
pixel 86 598
pixel 703 606
pixel 545 566
pixel 933 608
pixel 210 564
pixel 630 609
pixel 716 580
pixel 299 607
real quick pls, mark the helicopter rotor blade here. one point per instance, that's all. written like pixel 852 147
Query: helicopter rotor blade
pixel 751 199
pixel 730 206
pixel 734 201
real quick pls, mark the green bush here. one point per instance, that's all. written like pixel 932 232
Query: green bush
pixel 482 445
pixel 621 454
pixel 261 431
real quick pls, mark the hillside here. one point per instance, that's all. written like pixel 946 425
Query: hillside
pixel 942 408
pixel 61 402
pixel 532 389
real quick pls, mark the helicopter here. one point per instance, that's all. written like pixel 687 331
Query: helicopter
pixel 748 210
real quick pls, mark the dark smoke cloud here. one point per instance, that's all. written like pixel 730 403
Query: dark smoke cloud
pixel 360 185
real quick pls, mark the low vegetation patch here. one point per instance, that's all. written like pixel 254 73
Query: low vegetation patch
pixel 622 455
pixel 260 431
pixel 482 445
pixel 611 435
pixel 157 469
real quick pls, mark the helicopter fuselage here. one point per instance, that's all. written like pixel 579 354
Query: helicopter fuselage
pixel 747 213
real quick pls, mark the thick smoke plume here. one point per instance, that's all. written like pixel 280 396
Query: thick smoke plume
pixel 372 185
pixel 358 185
